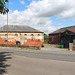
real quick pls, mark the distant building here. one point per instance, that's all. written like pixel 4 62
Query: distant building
pixel 64 36
pixel 21 35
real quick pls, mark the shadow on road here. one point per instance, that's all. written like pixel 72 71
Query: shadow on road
pixel 4 56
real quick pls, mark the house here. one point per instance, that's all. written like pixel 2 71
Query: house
pixel 21 35
pixel 62 36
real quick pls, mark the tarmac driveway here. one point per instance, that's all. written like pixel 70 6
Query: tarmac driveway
pixel 49 48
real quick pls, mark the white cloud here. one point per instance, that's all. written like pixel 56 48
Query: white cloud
pixel 27 18
pixel 50 8
pixel 73 20
pixel 46 29
pixel 68 14
pixel 40 12
pixel 22 2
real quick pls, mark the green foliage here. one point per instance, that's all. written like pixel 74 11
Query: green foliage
pixel 3 8
pixel 42 45
pixel 46 38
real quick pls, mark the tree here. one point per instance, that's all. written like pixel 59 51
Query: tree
pixel 3 6
pixel 46 38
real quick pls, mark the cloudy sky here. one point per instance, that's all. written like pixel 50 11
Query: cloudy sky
pixel 44 15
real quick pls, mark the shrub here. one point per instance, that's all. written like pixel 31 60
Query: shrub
pixel 42 45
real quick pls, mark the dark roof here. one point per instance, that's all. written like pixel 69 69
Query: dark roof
pixel 61 30
pixel 17 28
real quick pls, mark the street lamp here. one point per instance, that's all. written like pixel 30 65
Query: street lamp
pixel 7 21
pixel 3 10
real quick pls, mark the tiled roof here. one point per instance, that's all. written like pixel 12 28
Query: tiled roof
pixel 72 31
pixel 61 30
pixel 19 28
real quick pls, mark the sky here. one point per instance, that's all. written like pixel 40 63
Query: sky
pixel 44 15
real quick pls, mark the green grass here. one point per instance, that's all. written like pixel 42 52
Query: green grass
pixel 21 48
pixel 29 48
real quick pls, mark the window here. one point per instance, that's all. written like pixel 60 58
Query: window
pixel 42 39
pixel 5 34
pixel 52 40
pixel 25 34
pixel 16 34
pixel 38 34
pixel 32 39
pixel 5 40
pixel 25 41
pixel 59 35
pixel 31 34
pixel 38 39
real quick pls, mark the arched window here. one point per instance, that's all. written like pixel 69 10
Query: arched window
pixel 5 40
pixel 17 43
pixel 32 39
pixel 31 34
pixel 38 34
pixel 16 34
pixel 5 34
pixel 25 34
pixel 38 39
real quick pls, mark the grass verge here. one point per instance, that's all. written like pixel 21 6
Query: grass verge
pixel 20 48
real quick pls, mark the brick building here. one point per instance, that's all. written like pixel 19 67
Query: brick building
pixel 21 35
pixel 59 36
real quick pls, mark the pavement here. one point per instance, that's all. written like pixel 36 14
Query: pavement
pixel 20 65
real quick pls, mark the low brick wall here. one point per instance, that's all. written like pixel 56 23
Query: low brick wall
pixel 21 46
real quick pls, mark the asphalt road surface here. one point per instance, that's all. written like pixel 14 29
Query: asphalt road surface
pixel 48 61
pixel 51 53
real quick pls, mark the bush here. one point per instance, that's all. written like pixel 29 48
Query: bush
pixel 42 45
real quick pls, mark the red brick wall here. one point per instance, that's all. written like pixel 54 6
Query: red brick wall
pixel 57 38
pixel 9 42
pixel 33 43
pixel 29 42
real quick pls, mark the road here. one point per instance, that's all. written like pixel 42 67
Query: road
pixel 48 61
pixel 54 54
